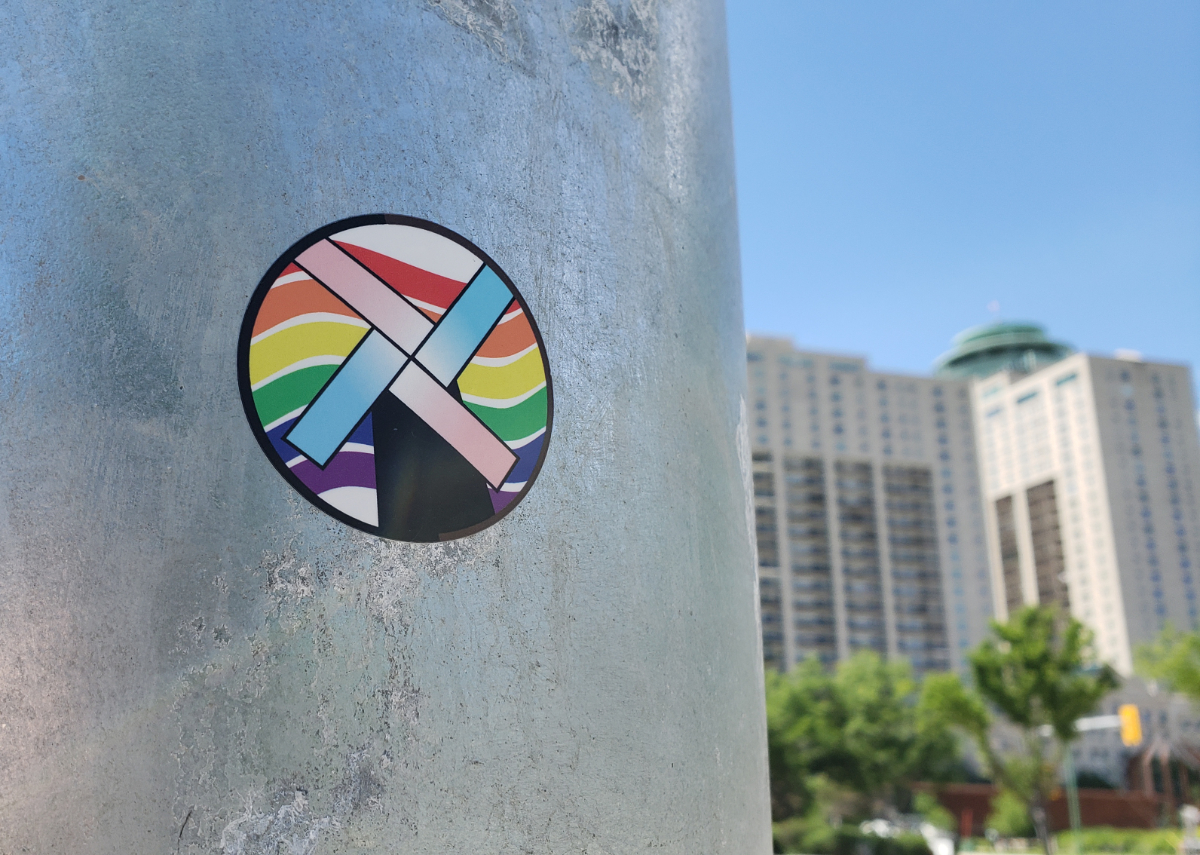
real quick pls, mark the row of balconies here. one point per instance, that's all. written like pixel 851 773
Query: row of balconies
pixel 818 567
pixel 927 608
pixel 913 592
pixel 801 581
pixel 916 575
pixel 906 645
pixel 861 605
pixel 860 571
pixel 795 515
pixel 812 622
pixel 859 596
pixel 910 524
pixel 934 630
pixel 869 642
pixel 912 549
pixel 805 497
pixel 907 490
pixel 857 557
pixel 811 641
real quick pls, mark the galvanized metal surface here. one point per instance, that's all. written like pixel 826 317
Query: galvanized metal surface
pixel 192 658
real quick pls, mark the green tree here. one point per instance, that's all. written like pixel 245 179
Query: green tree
pixel 1038 673
pixel 803 716
pixel 1173 658
pixel 858 730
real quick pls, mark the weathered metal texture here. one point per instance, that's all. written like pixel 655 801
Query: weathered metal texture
pixel 192 658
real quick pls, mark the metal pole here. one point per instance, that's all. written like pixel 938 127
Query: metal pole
pixel 1072 786
pixel 196 657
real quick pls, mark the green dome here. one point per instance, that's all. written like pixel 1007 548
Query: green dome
pixel 1007 346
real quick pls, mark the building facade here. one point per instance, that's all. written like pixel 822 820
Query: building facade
pixel 1091 468
pixel 869 518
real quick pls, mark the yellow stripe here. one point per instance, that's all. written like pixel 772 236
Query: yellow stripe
pixel 507 381
pixel 295 343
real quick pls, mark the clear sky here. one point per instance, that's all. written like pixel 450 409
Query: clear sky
pixel 902 165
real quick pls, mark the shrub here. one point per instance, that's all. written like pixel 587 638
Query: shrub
pixel 1137 841
pixel 932 811
pixel 811 834
pixel 1010 816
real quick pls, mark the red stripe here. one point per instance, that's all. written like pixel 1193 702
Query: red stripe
pixel 408 280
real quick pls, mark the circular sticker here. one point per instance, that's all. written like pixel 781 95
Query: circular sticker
pixel 395 377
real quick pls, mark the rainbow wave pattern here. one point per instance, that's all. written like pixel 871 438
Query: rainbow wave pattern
pixel 303 333
pixel 504 384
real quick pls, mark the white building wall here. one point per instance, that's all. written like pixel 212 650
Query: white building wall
pixel 833 408
pixel 1119 442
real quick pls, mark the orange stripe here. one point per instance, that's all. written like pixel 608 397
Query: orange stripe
pixel 508 338
pixel 297 298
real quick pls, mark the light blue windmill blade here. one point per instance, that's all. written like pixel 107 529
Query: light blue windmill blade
pixel 464 326
pixel 341 405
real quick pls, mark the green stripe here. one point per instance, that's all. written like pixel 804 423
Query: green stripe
pixel 290 392
pixel 514 422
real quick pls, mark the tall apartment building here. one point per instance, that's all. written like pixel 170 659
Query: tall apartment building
pixel 1091 468
pixel 869 518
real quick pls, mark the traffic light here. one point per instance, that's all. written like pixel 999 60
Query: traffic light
pixel 1131 725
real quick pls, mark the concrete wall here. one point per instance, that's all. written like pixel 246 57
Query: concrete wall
pixel 192 658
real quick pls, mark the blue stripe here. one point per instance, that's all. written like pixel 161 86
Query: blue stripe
pixel 527 457
pixel 362 378
pixel 364 435
pixel 285 451
pixel 461 330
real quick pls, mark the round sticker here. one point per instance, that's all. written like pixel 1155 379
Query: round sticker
pixel 395 377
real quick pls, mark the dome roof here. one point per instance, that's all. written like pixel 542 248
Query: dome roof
pixel 1005 346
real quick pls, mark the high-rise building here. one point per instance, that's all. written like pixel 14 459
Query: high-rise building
pixel 869 517
pixel 1091 468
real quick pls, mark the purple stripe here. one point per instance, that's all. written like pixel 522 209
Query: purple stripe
pixel 346 469
pixel 500 501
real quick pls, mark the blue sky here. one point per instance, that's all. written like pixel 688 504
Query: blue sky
pixel 902 165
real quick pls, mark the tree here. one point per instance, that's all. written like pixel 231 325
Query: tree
pixel 858 730
pixel 803 715
pixel 1039 673
pixel 1173 658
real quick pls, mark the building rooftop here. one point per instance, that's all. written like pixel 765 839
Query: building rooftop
pixel 1005 346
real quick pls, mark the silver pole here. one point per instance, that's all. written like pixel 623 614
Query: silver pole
pixel 193 656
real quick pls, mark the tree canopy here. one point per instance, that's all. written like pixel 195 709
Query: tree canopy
pixel 1039 670
pixel 860 728
pixel 1173 658
pixel 849 742
pixel 1039 673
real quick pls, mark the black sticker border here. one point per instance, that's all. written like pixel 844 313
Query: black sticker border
pixel 243 366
